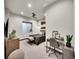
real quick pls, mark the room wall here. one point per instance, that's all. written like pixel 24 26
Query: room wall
pixel 60 17
pixel 6 16
pixel 15 22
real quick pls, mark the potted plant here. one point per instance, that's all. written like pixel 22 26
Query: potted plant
pixel 68 38
pixel 12 34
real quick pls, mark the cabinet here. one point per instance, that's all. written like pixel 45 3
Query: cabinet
pixel 11 45
pixel 68 53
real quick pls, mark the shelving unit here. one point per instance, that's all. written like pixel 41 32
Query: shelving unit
pixel 43 25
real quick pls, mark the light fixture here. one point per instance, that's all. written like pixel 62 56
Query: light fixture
pixel 22 13
pixel 29 5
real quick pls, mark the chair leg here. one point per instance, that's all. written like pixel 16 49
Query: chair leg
pixel 56 55
pixel 50 54
pixel 47 49
pixel 53 53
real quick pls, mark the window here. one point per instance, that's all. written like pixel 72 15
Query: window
pixel 26 27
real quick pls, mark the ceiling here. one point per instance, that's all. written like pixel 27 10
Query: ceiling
pixel 21 6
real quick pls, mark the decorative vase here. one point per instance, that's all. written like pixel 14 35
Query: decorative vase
pixel 68 44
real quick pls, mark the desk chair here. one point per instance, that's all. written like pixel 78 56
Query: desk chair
pixel 53 44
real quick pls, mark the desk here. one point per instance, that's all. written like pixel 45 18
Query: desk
pixel 59 49
pixel 67 53
pixel 61 42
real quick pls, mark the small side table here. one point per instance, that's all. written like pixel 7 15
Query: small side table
pixel 68 53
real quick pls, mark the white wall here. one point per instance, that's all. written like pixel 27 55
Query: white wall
pixel 60 17
pixel 15 22
pixel 6 16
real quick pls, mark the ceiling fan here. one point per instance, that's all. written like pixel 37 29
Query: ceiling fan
pixel 33 15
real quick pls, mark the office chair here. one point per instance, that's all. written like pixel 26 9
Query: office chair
pixel 53 45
